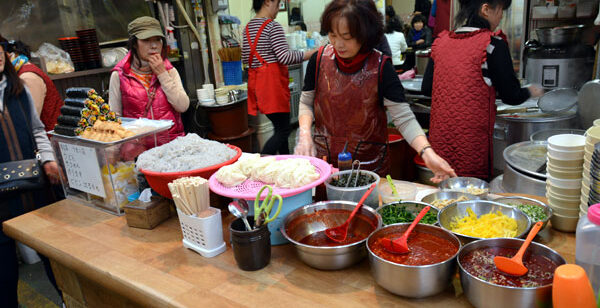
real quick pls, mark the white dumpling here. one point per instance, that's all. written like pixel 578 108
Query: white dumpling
pixel 259 166
pixel 269 173
pixel 247 165
pixel 230 175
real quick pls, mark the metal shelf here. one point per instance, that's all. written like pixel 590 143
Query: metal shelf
pixel 76 74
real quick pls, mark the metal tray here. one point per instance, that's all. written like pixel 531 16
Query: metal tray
pixel 162 126
pixel 526 157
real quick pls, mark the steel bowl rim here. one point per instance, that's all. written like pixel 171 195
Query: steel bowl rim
pixel 402 202
pixel 475 197
pixel 455 255
pixel 471 238
pixel 464 248
pixel 483 183
pixel 546 207
pixel 330 248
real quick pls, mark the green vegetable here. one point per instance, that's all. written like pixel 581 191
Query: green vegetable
pixel 363 180
pixel 393 214
pixel 536 213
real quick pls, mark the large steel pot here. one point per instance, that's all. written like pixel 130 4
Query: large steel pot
pixel 520 169
pixel 556 36
pixel 484 294
pixel 513 128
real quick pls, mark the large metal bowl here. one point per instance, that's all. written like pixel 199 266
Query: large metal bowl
pixel 447 195
pixel 320 257
pixel 463 183
pixel 480 207
pixel 412 281
pixel 556 36
pixel 516 200
pixel 411 206
pixel 484 294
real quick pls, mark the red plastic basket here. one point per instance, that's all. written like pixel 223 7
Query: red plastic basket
pixel 159 180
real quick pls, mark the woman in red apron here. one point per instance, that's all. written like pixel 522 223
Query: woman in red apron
pixel 348 87
pixel 267 54
pixel 468 66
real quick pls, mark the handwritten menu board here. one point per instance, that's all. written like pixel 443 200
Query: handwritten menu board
pixel 82 168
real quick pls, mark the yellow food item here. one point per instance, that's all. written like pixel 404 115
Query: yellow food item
pixel 441 203
pixel 475 190
pixel 106 131
pixel 486 226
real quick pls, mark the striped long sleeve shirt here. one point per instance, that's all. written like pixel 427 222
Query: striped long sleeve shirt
pixel 272 46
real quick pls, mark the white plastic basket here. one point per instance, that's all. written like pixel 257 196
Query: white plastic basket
pixel 203 235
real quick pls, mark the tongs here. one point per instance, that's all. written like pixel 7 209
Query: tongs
pixel 357 163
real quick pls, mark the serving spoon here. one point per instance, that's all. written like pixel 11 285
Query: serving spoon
pixel 400 245
pixel 238 210
pixel 514 266
pixel 340 233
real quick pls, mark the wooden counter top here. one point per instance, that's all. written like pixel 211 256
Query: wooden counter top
pixel 153 269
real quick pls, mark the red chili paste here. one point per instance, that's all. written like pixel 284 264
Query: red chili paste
pixel 424 248
pixel 360 227
pixel 480 263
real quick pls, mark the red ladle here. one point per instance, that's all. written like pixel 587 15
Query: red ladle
pixel 514 266
pixel 340 233
pixel 400 245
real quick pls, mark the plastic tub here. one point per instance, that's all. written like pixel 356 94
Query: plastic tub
pixel 567 142
pixel 562 191
pixel 557 173
pixel 565 155
pixel 353 193
pixel 561 163
pixel 565 211
pixel 159 180
pixel 593 134
pixel 543 135
pixel 557 201
pixel 407 191
pixel 564 223
pixel 562 183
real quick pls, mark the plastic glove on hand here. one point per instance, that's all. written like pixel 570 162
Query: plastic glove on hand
pixel 304 143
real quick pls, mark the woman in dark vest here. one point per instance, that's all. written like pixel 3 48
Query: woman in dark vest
pixel 348 87
pixel 21 132
pixel 468 66
pixel 45 96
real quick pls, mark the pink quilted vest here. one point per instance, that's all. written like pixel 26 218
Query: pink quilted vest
pixel 152 103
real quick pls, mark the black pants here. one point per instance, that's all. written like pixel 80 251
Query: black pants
pixel 9 274
pixel 279 141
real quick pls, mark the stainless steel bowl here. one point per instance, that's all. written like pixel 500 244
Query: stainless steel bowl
pixel 447 195
pixel 412 206
pixel 463 183
pixel 320 257
pixel 514 201
pixel 555 36
pixel 412 281
pixel 480 207
pixel 484 294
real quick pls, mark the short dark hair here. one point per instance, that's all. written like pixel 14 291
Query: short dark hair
pixel 364 21
pixel 418 18
pixel 394 24
pixel 132 46
pixel 257 5
pixel 469 9
pixel 14 83
pixel 389 11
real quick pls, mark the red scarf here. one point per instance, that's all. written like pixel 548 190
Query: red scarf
pixel 350 66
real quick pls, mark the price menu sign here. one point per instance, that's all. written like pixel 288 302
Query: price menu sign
pixel 82 168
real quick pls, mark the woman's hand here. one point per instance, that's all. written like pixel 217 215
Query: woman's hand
pixel 52 172
pixel 156 64
pixel 304 143
pixel 440 167
pixel 535 90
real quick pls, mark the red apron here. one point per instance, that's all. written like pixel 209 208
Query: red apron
pixel 348 107
pixel 267 84
pixel 463 108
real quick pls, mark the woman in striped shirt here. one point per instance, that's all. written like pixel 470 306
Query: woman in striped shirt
pixel 267 54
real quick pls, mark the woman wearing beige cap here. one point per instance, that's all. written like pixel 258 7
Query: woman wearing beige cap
pixel 145 84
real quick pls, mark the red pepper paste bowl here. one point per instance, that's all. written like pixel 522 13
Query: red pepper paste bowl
pixel 485 286
pixel 425 271
pixel 159 180
pixel 304 228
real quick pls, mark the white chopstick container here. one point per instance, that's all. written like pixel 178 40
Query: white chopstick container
pixel 203 235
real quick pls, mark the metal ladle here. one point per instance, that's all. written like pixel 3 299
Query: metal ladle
pixel 236 207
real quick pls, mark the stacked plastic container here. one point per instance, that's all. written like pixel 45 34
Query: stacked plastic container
pixel 590 184
pixel 564 179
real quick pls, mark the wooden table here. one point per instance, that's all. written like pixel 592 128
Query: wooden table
pixel 101 262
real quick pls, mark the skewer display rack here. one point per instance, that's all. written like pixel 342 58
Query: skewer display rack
pixel 96 173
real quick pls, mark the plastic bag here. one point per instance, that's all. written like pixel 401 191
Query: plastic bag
pixel 111 57
pixel 57 60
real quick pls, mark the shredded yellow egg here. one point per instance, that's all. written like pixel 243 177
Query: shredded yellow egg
pixel 486 226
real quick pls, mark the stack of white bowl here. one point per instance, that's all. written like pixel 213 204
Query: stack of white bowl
pixel 564 179
pixel 206 95
pixel 592 137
